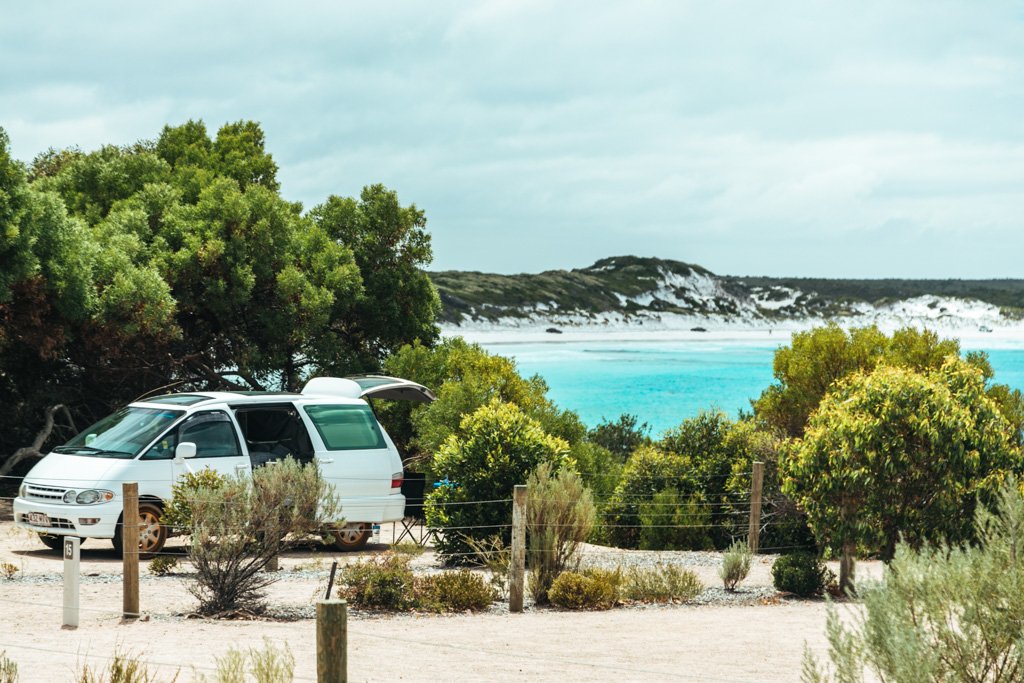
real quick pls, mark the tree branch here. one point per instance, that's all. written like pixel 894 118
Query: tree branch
pixel 35 450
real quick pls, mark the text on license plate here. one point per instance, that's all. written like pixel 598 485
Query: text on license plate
pixel 38 519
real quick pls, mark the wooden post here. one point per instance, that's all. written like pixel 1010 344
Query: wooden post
pixel 518 569
pixel 72 574
pixel 754 532
pixel 130 548
pixel 332 641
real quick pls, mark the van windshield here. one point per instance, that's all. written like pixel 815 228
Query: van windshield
pixel 122 434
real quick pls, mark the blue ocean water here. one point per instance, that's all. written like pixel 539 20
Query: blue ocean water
pixel 665 382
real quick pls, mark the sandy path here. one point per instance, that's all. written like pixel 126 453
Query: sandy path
pixel 761 642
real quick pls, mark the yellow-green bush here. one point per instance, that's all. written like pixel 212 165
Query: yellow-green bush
pixel 590 589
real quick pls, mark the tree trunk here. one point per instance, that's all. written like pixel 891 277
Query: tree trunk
pixel 35 450
pixel 846 568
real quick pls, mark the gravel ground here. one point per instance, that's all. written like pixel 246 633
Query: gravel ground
pixel 750 635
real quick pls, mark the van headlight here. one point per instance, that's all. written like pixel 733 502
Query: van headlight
pixel 90 496
pixel 22 490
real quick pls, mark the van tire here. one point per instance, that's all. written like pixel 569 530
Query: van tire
pixel 351 536
pixel 153 534
pixel 52 542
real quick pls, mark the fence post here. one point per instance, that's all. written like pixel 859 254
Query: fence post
pixel 754 533
pixel 518 569
pixel 332 641
pixel 72 573
pixel 130 550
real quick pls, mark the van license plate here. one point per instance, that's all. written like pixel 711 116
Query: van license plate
pixel 38 519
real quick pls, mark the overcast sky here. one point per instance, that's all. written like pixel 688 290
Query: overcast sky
pixel 878 139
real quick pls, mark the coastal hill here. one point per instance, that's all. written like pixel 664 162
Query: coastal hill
pixel 630 290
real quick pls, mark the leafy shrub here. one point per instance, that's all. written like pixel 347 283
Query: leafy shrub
pixel 559 516
pixel 244 524
pixel 123 668
pixel 802 574
pixel 501 446
pixel 162 565
pixel 456 591
pixel 599 468
pixel 591 589
pixel 384 582
pixel 648 471
pixel 621 437
pixel 8 570
pixel 735 565
pixel 496 556
pixel 269 665
pixel 944 613
pixel 672 521
pixel 662 583
pixel 8 669
pixel 177 514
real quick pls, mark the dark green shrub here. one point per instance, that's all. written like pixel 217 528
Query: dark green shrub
pixel 384 582
pixel 592 589
pixel 456 591
pixel 648 472
pixel 559 516
pixel 498 448
pixel 662 583
pixel 672 521
pixel 621 437
pixel 802 574
pixel 599 468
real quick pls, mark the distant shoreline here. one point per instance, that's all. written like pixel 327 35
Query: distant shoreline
pixel 1008 336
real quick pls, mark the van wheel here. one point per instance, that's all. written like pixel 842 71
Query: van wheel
pixel 152 534
pixel 351 536
pixel 52 542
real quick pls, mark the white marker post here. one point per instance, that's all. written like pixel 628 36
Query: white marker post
pixel 72 572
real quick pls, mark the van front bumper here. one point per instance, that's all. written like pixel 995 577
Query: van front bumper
pixel 68 520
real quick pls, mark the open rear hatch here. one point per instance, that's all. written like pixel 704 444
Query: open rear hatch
pixel 369 386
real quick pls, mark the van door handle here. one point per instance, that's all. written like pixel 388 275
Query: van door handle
pixel 325 461
pixel 241 467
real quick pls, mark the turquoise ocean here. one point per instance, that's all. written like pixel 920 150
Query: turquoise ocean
pixel 663 382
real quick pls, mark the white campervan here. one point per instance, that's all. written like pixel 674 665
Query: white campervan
pixel 76 489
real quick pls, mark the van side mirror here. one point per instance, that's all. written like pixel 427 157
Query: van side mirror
pixel 185 449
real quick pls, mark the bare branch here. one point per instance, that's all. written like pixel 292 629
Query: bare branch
pixel 35 450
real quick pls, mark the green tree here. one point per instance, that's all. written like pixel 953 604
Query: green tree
pixel 498 447
pixel 391 247
pixel 946 613
pixel 621 437
pixel 897 453
pixel 817 358
pixel 465 377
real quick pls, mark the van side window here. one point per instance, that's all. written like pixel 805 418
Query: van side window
pixel 346 427
pixel 211 432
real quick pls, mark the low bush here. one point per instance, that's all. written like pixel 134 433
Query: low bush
pixel 559 516
pixel 590 589
pixel 8 570
pixel 802 574
pixel 735 565
pixel 123 668
pixel 494 554
pixel 162 565
pixel 387 583
pixel 456 591
pixel 243 525
pixel 8 669
pixel 662 583
pixel 269 665
pixel 384 582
